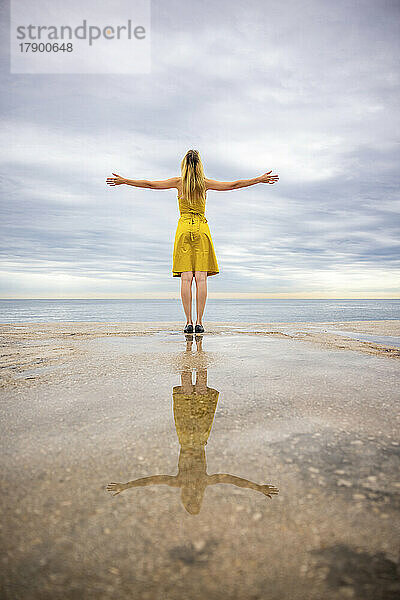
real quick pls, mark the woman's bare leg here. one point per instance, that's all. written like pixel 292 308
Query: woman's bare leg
pixel 186 382
pixel 186 294
pixel 201 294
pixel 201 381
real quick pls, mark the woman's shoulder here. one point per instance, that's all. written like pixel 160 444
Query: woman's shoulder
pixel 208 183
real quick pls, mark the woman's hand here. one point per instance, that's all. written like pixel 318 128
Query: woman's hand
pixel 267 178
pixel 269 490
pixel 116 487
pixel 117 180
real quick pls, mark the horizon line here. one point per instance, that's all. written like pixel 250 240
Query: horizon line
pixel 215 296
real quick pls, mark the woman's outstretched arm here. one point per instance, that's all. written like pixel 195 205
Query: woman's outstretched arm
pixel 117 488
pixel 265 489
pixel 163 184
pixel 213 184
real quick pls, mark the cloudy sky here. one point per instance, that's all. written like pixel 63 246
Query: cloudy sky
pixel 308 89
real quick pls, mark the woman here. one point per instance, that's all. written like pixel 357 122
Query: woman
pixel 193 247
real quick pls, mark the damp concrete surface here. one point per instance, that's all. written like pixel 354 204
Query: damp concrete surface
pixel 251 462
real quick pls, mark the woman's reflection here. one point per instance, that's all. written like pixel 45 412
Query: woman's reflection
pixel 194 410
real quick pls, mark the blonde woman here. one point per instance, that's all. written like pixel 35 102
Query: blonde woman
pixel 193 253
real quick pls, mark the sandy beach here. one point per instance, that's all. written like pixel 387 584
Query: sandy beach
pixel 307 410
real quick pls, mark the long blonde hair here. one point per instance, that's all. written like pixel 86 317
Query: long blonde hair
pixel 193 179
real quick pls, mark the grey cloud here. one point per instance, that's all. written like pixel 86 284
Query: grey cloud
pixel 299 88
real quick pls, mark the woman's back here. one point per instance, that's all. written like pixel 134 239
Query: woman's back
pixel 198 206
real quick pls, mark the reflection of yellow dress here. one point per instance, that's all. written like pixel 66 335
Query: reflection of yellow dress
pixel 194 415
pixel 193 245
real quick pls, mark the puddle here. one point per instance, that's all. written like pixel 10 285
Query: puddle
pixel 41 343
pixel 163 341
pixel 36 372
pixel 139 481
pixel 386 340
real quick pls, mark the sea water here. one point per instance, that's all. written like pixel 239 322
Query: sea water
pixel 248 310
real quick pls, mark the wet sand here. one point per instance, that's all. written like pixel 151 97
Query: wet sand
pixel 294 407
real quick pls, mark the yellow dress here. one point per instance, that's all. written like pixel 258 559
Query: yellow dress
pixel 194 415
pixel 193 245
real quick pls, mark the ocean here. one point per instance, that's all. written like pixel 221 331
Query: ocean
pixel 255 311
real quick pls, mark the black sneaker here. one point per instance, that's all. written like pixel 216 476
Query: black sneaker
pixel 199 329
pixel 188 328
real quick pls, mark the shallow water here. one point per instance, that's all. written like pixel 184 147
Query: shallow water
pixel 387 340
pixel 195 428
